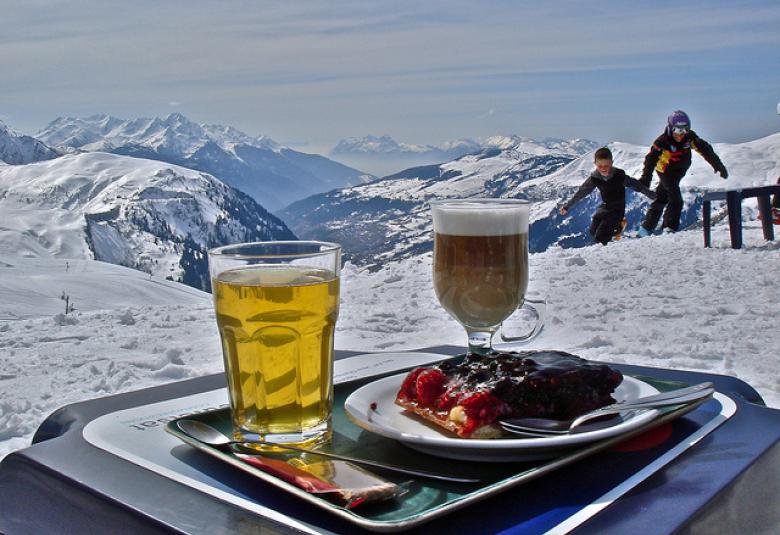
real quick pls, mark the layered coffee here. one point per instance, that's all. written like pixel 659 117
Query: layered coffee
pixel 480 263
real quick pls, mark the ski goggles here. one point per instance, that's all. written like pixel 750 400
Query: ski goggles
pixel 681 129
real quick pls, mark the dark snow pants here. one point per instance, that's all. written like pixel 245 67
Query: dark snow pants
pixel 605 223
pixel 668 196
pixel 776 197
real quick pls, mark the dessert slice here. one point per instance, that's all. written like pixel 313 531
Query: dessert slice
pixel 469 397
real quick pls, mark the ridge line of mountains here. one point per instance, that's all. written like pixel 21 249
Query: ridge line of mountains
pixel 155 193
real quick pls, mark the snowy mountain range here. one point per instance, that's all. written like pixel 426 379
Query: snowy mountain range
pixel 383 155
pixel 149 215
pixel 388 219
pixel 271 174
pixel 17 149
pixel 160 217
pixel 387 145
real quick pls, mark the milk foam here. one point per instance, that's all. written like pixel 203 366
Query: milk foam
pixel 471 219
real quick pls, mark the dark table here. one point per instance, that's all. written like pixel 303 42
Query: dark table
pixel 733 200
pixel 729 482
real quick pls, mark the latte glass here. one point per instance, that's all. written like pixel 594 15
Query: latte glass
pixel 480 265
pixel 276 305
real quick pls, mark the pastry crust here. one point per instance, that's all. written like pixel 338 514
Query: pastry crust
pixel 451 424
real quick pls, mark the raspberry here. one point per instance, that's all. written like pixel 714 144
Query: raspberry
pixel 430 385
pixel 450 397
pixel 408 391
pixel 482 407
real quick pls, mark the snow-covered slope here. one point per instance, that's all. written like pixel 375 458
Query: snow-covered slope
pixel 16 149
pixel 754 163
pixel 35 287
pixel 144 214
pixel 526 145
pixel 388 218
pixel 270 173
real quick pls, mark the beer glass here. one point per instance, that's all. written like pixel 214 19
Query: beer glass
pixel 480 266
pixel 276 305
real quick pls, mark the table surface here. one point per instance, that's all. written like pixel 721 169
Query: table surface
pixel 727 482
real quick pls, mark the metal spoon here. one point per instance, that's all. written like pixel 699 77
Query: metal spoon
pixel 548 426
pixel 207 434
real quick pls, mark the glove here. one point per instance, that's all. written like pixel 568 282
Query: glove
pixel 722 171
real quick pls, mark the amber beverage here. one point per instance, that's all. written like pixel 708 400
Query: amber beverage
pixel 277 321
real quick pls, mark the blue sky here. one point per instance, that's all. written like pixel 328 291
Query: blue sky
pixel 308 73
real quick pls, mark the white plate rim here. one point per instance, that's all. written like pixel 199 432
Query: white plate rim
pixel 358 410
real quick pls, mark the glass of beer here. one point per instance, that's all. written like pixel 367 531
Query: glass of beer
pixel 480 265
pixel 276 305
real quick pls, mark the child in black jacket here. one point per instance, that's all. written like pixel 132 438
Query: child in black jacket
pixel 670 156
pixel 611 183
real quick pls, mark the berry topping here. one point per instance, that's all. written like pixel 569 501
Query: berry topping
pixel 430 385
pixel 468 396
pixel 481 405
pixel 450 397
pixel 408 390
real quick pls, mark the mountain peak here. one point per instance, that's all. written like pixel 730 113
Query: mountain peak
pixel 101 117
pixel 17 149
pixel 177 119
pixel 173 133
pixel 383 144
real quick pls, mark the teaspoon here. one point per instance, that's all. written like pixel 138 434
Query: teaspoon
pixel 207 434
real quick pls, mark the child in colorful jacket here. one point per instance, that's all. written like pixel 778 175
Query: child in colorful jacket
pixel 611 183
pixel 670 156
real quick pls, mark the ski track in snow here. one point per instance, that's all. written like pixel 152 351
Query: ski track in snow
pixel 662 301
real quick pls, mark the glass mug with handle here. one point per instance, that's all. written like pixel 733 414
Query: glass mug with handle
pixel 276 305
pixel 480 266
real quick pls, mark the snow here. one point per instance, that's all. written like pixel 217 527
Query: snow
pixel 17 149
pixel 385 144
pixel 662 301
pixel 384 155
pixel 378 144
pixel 273 175
pixel 54 208
pixel 174 133
pixel 750 164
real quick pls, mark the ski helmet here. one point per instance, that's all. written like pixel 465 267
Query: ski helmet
pixel 678 118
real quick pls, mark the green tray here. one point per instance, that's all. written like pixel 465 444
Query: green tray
pixel 426 499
